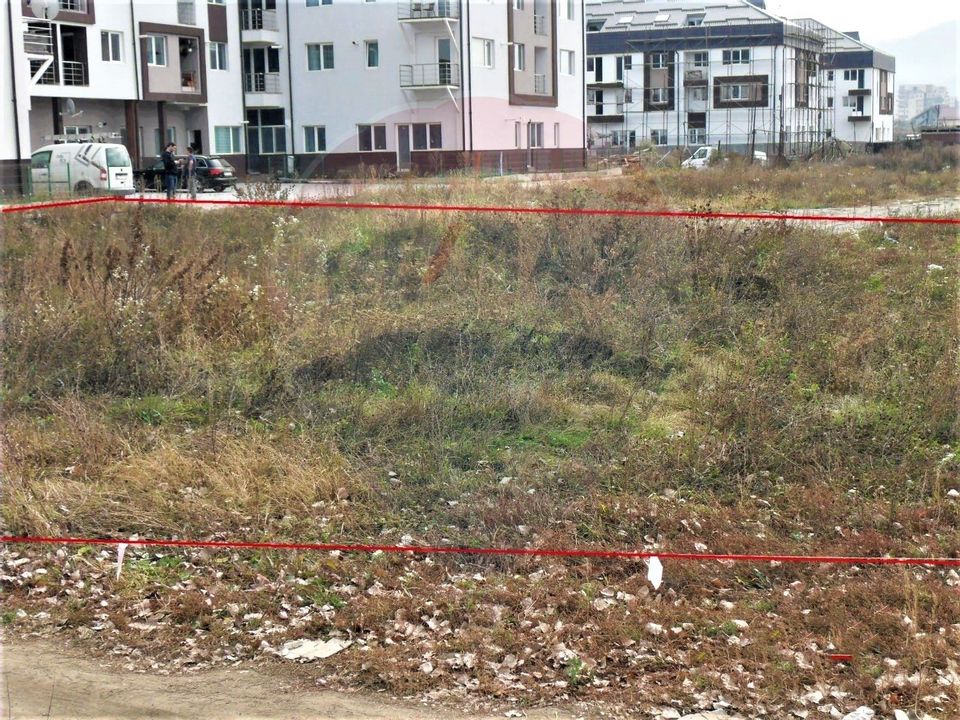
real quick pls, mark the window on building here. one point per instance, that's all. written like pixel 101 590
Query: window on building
pixel 595 25
pixel 829 102
pixel 697 136
pixel 519 56
pixel 316 3
pixel 628 62
pixel 829 75
pixel 849 101
pixel 571 9
pixel 590 64
pixel 658 137
pixel 373 53
pixel 516 134
pixel 518 4
pixel 659 60
pixel 849 75
pixel 314 138
pixel 110 46
pixel 701 59
pixel 226 140
pixel 76 131
pixel 372 137
pixel 556 134
pixel 483 51
pixel 733 92
pixel 156 50
pixel 736 57
pixel 628 95
pixel 698 93
pixel 427 136
pixel 659 95
pixel 568 62
pixel 218 56
pixel 695 19
pixel 535 135
pixel 320 56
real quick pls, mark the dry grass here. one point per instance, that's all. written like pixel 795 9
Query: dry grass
pixel 258 374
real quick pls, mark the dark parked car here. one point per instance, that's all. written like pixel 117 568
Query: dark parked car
pixel 213 173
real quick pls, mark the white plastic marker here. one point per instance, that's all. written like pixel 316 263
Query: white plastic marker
pixel 654 572
pixel 121 549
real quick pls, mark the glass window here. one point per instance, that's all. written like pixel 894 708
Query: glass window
pixel 320 56
pixel 40 159
pixel 519 56
pixel 156 50
pixel 483 48
pixel 315 138
pixel 568 62
pixel 218 56
pixel 110 44
pixel 118 157
pixel 535 134
pixel 372 137
pixel 226 140
pixel 658 137
pixel 373 54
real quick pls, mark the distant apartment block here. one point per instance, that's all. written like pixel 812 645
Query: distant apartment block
pixel 139 73
pixel 914 99
pixel 730 73
pixel 309 87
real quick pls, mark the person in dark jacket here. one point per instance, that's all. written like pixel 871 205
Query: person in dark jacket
pixel 170 170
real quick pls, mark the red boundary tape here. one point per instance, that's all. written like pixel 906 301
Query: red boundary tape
pixel 505 551
pixel 614 212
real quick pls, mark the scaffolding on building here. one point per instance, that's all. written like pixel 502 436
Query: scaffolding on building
pixel 795 121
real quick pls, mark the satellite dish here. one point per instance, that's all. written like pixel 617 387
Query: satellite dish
pixel 69 107
pixel 44 9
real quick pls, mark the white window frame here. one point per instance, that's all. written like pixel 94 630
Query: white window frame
pixel 737 56
pixel 659 95
pixel 323 62
pixel 236 140
pixel 487 53
pixel 315 131
pixel 700 59
pixel 571 9
pixel 519 57
pixel 112 35
pixel 155 43
pixel 518 4
pixel 657 135
pixel 659 60
pixel 367 44
pixel 535 134
pixel 218 51
pixel 556 134
pixel 373 137
pixel 568 62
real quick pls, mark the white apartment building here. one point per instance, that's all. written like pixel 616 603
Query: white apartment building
pixel 134 72
pixel 688 73
pixel 429 85
pixel 312 87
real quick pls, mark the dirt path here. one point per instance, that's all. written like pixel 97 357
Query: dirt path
pixel 40 679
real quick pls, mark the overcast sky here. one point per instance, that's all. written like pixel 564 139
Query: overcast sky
pixel 877 20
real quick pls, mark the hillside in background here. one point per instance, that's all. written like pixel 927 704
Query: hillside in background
pixel 928 57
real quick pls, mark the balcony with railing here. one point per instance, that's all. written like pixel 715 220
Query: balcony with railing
pixel 858 117
pixel 37 39
pixel 430 75
pixel 427 10
pixel 262 82
pixel 540 84
pixel 186 12
pixel 257 23
pixel 540 25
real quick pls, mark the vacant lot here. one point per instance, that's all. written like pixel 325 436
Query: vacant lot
pixel 485 380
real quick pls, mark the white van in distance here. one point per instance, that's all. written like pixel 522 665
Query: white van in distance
pixel 82 168
pixel 704 155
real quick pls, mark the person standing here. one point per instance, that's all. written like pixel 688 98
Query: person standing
pixel 190 167
pixel 170 170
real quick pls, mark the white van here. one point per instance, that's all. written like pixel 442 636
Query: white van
pixel 703 156
pixel 82 168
